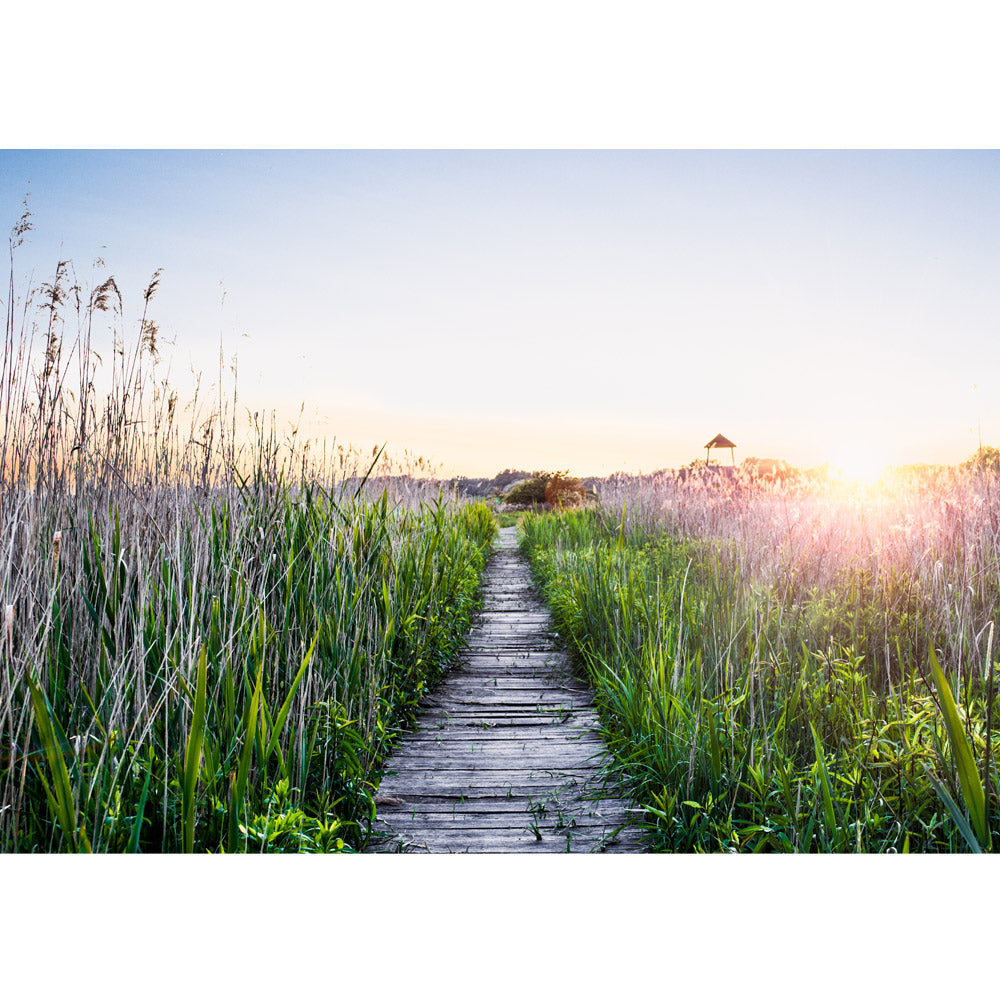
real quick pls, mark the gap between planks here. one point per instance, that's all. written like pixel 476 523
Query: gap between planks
pixel 506 757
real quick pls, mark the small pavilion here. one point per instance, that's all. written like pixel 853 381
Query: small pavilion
pixel 720 441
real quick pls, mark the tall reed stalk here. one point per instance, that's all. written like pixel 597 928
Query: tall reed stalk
pixel 765 657
pixel 212 632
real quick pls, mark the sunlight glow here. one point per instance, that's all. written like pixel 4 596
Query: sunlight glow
pixel 860 463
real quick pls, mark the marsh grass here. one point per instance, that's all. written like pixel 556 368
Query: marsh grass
pixel 211 631
pixel 764 657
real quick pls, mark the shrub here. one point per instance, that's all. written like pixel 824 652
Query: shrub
pixel 557 489
pixel 987 459
pixel 564 490
pixel 503 481
pixel 528 491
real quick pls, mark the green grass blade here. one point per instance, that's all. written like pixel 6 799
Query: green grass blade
pixel 828 809
pixel 249 735
pixel 133 840
pixel 192 756
pixel 279 722
pixel 61 794
pixel 364 480
pixel 956 814
pixel 968 774
pixel 716 750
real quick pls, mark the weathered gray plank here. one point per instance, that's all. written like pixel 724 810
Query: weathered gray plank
pixel 506 750
pixel 493 682
pixel 496 734
pixel 546 824
pixel 497 754
pixel 486 717
pixel 517 842
pixel 547 802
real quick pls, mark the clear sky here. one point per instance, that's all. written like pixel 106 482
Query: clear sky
pixel 586 310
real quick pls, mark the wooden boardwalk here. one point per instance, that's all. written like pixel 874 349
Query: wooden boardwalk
pixel 505 758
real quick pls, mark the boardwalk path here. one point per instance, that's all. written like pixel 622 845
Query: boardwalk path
pixel 505 758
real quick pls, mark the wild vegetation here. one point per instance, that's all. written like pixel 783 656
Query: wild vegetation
pixel 211 631
pixel 553 489
pixel 803 667
pixel 210 634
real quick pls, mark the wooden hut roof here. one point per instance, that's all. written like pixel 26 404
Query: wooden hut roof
pixel 720 441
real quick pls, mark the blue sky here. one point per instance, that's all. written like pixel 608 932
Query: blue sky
pixel 592 310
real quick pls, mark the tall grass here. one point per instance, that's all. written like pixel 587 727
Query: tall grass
pixel 211 632
pixel 763 657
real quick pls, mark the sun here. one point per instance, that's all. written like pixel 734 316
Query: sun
pixel 859 463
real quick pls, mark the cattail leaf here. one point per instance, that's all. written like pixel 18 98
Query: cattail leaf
pixel 60 795
pixel 249 735
pixel 965 764
pixel 192 756
pixel 956 814
pixel 828 807
pixel 713 735
pixel 133 840
pixel 279 722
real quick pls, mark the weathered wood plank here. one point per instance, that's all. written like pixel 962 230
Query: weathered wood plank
pixel 488 745
pixel 484 826
pixel 584 737
pixel 506 750
pixel 518 842
pixel 521 660
pixel 517 806
pixel 431 805
pixel 460 694
pixel 513 685
pixel 474 721
pixel 487 716
pixel 495 740
pixel 502 762
pixel 504 821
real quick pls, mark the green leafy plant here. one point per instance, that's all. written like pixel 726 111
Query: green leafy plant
pixel 750 711
pixel 968 774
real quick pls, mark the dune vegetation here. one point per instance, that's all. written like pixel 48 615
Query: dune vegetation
pixel 211 631
pixel 790 667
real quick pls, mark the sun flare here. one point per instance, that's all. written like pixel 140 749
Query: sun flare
pixel 859 463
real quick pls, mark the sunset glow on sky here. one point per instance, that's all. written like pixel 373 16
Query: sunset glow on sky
pixel 596 311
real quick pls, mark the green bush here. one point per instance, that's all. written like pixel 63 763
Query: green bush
pixel 557 489
pixel 986 459
pixel 564 490
pixel 529 491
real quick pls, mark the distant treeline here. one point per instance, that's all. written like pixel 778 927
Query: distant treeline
pixel 753 469
pixel 499 485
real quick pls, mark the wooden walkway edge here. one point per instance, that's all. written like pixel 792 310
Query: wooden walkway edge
pixel 506 757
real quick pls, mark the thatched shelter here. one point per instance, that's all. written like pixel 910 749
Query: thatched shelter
pixel 721 441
